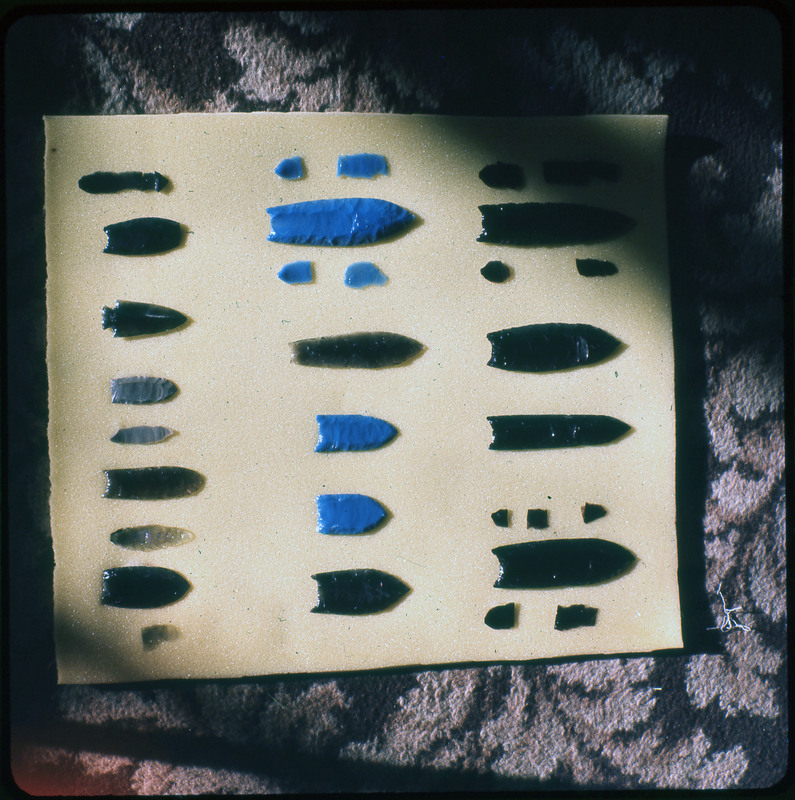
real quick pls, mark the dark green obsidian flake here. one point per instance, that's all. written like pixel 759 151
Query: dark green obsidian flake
pixel 357 591
pixel 496 272
pixel 576 616
pixel 547 431
pixel 592 511
pixel 501 617
pixel 112 182
pixel 142 587
pixel 537 518
pixel 145 236
pixel 595 267
pixel 152 483
pixel 363 350
pixel 501 518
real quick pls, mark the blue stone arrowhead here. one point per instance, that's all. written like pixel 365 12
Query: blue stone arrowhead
pixel 348 513
pixel 344 432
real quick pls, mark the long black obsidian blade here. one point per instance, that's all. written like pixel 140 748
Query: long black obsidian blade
pixel 142 587
pixel 546 431
pixel 552 563
pixel 364 350
pixel 595 267
pixel 145 236
pixel 152 483
pixel 357 591
pixel 550 224
pixel 140 390
pixel 111 182
pixel 128 318
pixel 549 347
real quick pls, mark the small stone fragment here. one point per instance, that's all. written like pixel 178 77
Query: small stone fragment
pixel 502 176
pixel 592 511
pixel 576 616
pixel 496 272
pixel 501 617
pixel 155 635
pixel 501 518
pixel 537 518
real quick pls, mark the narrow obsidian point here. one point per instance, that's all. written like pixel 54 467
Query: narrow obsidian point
pixel 152 483
pixel 576 616
pixel 364 350
pixel 546 431
pixel 592 511
pixel 145 236
pixel 501 617
pixel 537 518
pixel 112 182
pixel 500 518
pixel 357 591
pixel 129 318
pixel 496 272
pixel 595 267
pixel 502 176
pixel 142 587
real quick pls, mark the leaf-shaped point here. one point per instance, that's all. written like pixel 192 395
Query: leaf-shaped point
pixel 357 591
pixel 142 587
pixel 345 432
pixel 348 513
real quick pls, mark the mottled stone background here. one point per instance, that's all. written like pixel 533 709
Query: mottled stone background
pixel 714 716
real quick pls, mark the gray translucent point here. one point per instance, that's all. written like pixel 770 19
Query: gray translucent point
pixel 141 390
pixel 142 434
pixel 150 537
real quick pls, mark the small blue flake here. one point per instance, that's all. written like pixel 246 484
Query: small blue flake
pixel 296 272
pixel 361 165
pixel 363 274
pixel 290 169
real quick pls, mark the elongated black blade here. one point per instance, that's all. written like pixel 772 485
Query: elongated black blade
pixel 128 318
pixel 152 483
pixel 546 431
pixel 142 587
pixel 140 390
pixel 550 224
pixel 145 236
pixel 357 591
pixel 111 182
pixel 560 562
pixel 549 347
pixel 362 350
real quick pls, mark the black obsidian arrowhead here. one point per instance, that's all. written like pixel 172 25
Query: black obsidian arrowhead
pixel 366 350
pixel 142 587
pixel 145 236
pixel 152 483
pixel 501 617
pixel 357 591
pixel 496 272
pixel 502 176
pixel 128 318
pixel 558 563
pixel 550 224
pixel 111 182
pixel 595 267
pixel 576 616
pixel 547 431
pixel 550 347
pixel 592 511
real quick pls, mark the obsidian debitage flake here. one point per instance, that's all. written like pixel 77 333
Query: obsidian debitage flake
pixel 549 347
pixel 150 537
pixel 550 224
pixel 141 390
pixel 145 236
pixel 502 176
pixel 560 562
pixel 592 511
pixel 141 434
pixel 357 591
pixel 578 173
pixel 501 617
pixel 546 431
pixel 154 635
pixel 496 272
pixel 152 483
pixel 111 182
pixel 363 350
pixel 576 616
pixel 142 587
pixel 500 518
pixel 537 518
pixel 595 267
pixel 128 318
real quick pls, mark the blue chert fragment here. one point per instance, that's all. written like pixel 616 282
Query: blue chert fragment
pixel 348 513
pixel 340 222
pixel 296 272
pixel 363 274
pixel 361 165
pixel 291 169
pixel 344 432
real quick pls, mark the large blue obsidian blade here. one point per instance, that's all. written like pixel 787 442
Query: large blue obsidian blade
pixel 152 483
pixel 344 432
pixel 141 434
pixel 142 587
pixel 577 616
pixel 338 222
pixel 348 513
pixel 128 318
pixel 110 182
pixel 550 224
pixel 560 562
pixel 357 591
pixel 150 537
pixel 145 236
pixel 545 431
pixel 141 390
pixel 549 347
pixel 363 350
pixel 501 617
